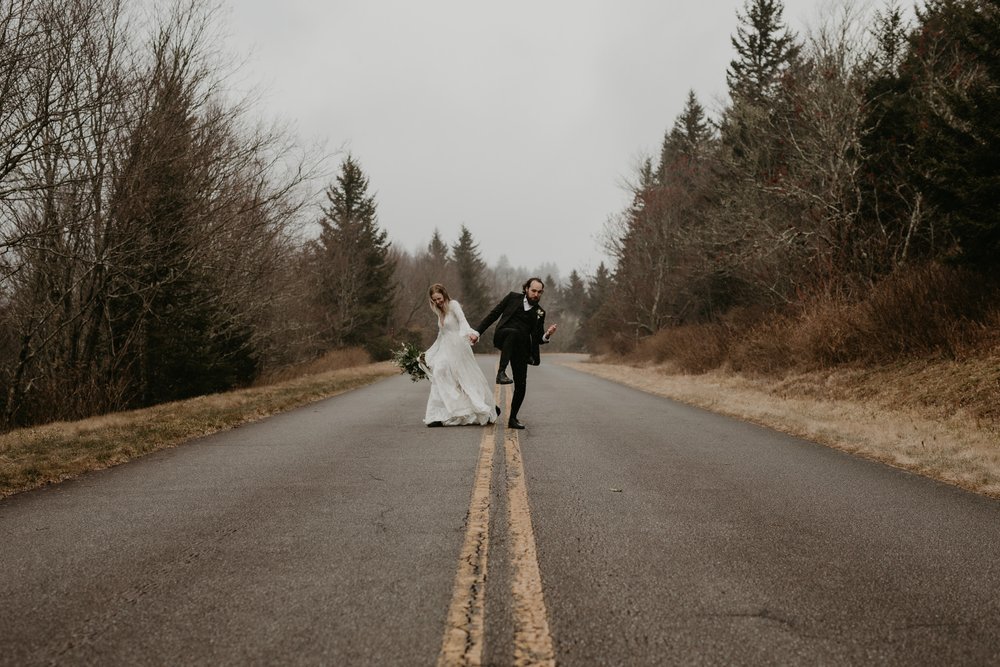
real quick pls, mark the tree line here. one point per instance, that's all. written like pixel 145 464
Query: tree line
pixel 154 237
pixel 145 222
pixel 461 267
pixel 843 161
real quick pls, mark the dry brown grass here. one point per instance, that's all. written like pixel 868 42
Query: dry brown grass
pixel 331 361
pixel 32 457
pixel 906 371
pixel 940 419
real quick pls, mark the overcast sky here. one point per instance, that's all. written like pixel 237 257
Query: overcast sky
pixel 519 119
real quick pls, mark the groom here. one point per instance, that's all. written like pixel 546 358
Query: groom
pixel 520 330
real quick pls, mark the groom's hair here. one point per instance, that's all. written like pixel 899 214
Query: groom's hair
pixel 527 284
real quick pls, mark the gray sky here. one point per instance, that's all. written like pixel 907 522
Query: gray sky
pixel 519 119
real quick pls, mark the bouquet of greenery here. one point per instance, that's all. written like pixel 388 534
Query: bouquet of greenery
pixel 409 359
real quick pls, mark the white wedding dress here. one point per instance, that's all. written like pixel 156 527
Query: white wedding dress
pixel 460 393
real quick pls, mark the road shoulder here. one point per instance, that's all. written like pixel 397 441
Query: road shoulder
pixel 956 449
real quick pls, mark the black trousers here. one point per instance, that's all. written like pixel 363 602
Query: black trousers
pixel 515 349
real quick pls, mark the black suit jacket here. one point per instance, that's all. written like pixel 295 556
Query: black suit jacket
pixel 504 310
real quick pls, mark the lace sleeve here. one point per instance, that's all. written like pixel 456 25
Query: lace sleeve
pixel 463 324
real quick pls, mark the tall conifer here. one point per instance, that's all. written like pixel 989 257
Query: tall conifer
pixel 471 270
pixel 963 150
pixel 357 286
pixel 765 48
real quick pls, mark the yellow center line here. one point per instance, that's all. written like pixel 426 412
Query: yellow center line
pixel 532 641
pixel 464 627
pixel 463 636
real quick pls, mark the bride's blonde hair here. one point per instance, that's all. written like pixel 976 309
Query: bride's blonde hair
pixel 438 288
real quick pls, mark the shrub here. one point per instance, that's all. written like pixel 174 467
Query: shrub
pixel 827 332
pixel 694 348
pixel 380 347
pixel 926 311
pixel 763 348
pixel 933 309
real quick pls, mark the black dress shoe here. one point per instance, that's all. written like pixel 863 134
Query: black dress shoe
pixel 503 379
pixel 513 423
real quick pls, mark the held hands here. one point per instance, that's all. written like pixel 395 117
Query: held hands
pixel 473 338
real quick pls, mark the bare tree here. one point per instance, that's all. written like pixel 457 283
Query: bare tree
pixel 144 223
pixel 825 152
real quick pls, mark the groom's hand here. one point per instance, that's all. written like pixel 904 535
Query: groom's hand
pixel 551 330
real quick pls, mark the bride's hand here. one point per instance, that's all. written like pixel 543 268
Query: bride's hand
pixel 473 338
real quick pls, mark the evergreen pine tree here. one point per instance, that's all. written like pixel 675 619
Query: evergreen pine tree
pixel 357 285
pixel 896 114
pixel 471 272
pixel 575 294
pixel 755 154
pixel 438 249
pixel 765 49
pixel 598 320
pixel 890 40
pixel 598 290
pixel 933 136
pixel 963 149
pixel 440 266
pixel 168 309
pixel 688 140
pixel 553 293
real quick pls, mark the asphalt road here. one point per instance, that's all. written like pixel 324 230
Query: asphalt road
pixel 663 535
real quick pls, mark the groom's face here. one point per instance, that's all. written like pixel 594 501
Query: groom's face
pixel 534 292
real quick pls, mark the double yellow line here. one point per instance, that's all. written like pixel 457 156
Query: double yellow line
pixel 464 627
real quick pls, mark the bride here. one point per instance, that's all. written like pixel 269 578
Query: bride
pixel 460 393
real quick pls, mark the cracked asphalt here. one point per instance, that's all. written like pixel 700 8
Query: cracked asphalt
pixel 665 535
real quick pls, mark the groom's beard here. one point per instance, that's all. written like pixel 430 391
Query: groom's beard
pixel 533 302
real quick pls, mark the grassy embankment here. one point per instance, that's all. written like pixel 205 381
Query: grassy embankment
pixel 909 376
pixel 33 457
pixel 914 416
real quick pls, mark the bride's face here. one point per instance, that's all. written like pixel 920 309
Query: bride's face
pixel 438 299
